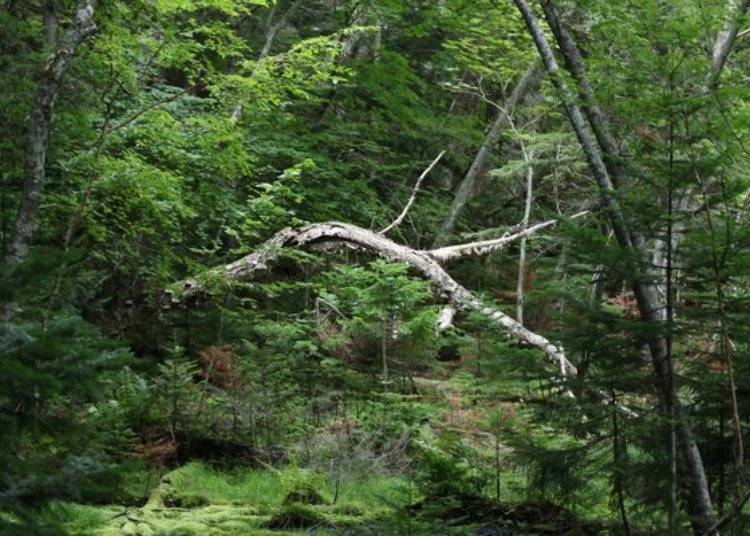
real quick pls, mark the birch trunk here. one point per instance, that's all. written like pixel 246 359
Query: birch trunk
pixel 40 120
pixel 650 305
pixel 41 117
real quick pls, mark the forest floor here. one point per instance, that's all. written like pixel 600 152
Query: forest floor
pixel 196 500
pixel 200 500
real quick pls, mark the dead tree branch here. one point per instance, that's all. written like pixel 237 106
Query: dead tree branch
pixel 395 223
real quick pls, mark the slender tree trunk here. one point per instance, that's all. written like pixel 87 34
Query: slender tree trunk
pixel 50 23
pixel 725 344
pixel 673 484
pixel 51 79
pixel 576 66
pixel 384 357
pixel 39 126
pixel 650 304
pixel 722 476
pixel 618 453
pixel 273 28
pixel 41 117
pixel 526 84
pixel 522 246
pixel 356 44
pixel 3 215
pixel 725 39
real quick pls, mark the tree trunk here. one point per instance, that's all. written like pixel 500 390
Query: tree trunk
pixel 41 117
pixel 725 39
pixel 50 23
pixel 576 66
pixel 465 188
pixel 650 304
pixel 619 450
pixel 39 126
pixel 357 44
pixel 520 283
pixel 271 31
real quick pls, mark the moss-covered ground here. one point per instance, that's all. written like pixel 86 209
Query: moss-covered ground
pixel 197 500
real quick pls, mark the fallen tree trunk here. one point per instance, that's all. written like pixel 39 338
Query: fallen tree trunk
pixel 423 262
pixel 426 262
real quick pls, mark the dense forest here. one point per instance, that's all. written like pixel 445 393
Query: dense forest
pixel 379 267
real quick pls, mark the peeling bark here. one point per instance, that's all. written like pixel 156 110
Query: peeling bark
pixel 445 319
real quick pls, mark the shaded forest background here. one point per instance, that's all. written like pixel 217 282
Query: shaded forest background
pixel 589 376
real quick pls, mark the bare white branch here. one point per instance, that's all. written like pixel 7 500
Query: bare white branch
pixel 414 192
pixel 457 296
pixel 483 247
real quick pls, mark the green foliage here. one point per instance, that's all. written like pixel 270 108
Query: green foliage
pixel 53 444
pixel 381 306
pixel 319 394
pixel 448 467
pixel 488 38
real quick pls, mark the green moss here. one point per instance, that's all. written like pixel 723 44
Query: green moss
pixel 185 529
pixel 242 486
pixel 297 516
pixel 353 510
pixel 174 499
pixel 305 495
pixel 197 499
